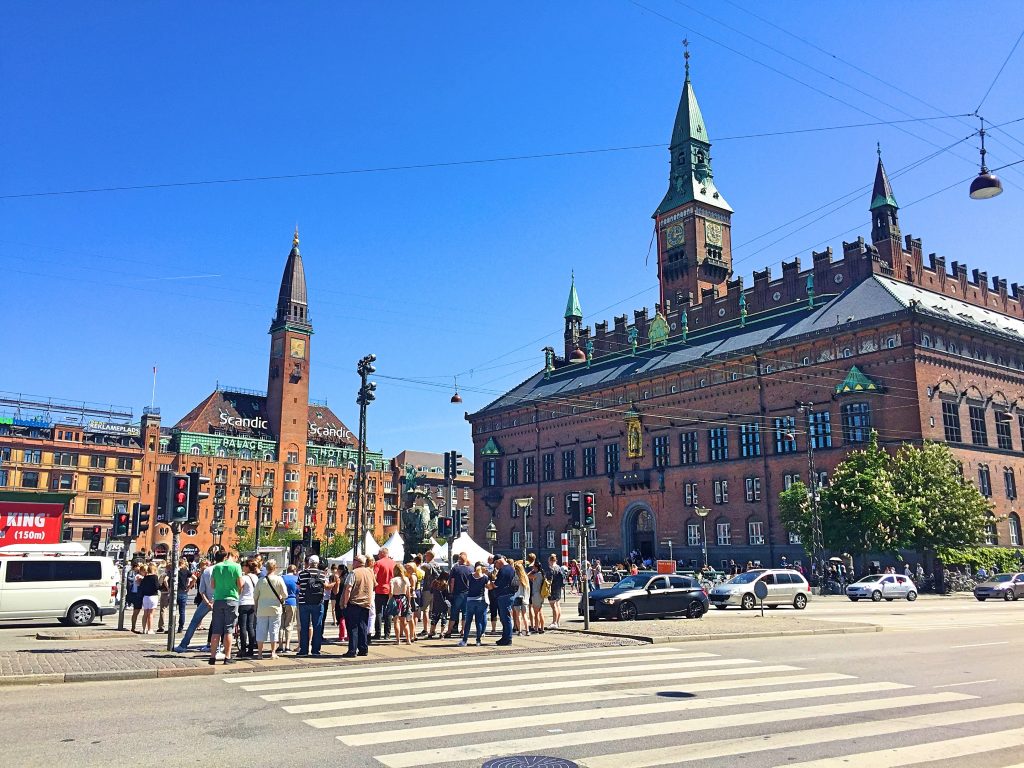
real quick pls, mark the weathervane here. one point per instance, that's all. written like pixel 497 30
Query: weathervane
pixel 686 56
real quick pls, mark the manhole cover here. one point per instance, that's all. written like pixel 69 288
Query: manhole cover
pixel 529 761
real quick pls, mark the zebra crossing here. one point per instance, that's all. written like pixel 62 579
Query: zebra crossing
pixel 608 708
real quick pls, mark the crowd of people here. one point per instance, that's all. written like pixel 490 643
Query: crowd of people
pixel 254 610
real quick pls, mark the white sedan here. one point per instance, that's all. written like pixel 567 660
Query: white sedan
pixel 879 586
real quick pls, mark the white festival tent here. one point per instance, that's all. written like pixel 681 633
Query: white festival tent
pixel 463 543
pixel 395 546
pixel 370 547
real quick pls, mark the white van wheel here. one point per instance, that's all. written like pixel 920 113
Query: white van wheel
pixel 81 614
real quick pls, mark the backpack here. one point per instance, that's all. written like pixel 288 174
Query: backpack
pixel 545 588
pixel 314 594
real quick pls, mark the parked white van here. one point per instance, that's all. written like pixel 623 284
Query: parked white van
pixel 73 590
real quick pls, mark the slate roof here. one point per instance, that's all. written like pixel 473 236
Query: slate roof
pixel 870 300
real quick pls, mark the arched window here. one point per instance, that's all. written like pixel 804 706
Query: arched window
pixel 991 537
pixel 311 460
pixel 1014 529
pixel 196 449
pixel 926 341
pixel 847 352
pixel 221 453
pixel 806 361
pixel 245 453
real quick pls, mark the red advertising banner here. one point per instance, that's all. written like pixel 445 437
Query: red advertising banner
pixel 25 522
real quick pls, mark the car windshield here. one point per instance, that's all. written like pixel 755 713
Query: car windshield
pixel 872 577
pixel 745 578
pixel 633 582
pixel 1002 577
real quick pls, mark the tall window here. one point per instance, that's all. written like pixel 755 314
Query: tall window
pixel 549 505
pixel 755 533
pixel 1010 481
pixel 513 471
pixel 753 489
pixel 93 506
pixel 724 534
pixel 979 432
pixel 660 449
pixel 549 538
pixel 1014 529
pixel 530 470
pixel 750 440
pixel 690 494
pixel 688 448
pixel 611 458
pixel 718 443
pixel 820 423
pixel 692 535
pixel 984 480
pixel 548 467
pixel 721 491
pixel 785 435
pixel 123 485
pixel 1003 437
pixel 515 540
pixel 3 478
pixel 529 539
pixel 856 422
pixel 789 479
pixel 491 475
pixel 991 538
pixel 29 479
pixel 568 464
pixel 589 461
pixel 951 422
pixel 794 538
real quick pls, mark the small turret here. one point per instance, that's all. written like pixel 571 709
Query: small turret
pixel 573 324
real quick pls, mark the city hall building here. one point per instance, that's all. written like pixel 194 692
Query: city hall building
pixel 694 406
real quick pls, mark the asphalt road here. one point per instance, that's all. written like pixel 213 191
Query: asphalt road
pixel 949 690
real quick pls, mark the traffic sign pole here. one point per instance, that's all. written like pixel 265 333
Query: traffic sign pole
pixel 173 583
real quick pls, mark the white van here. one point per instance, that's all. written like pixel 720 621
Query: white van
pixel 73 590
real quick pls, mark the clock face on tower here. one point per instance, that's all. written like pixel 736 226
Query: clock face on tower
pixel 675 236
pixel 298 348
pixel 713 233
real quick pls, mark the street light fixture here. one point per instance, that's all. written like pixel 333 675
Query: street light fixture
pixel 986 184
pixel 525 505
pixel 364 397
pixel 702 513
pixel 260 492
pixel 492 535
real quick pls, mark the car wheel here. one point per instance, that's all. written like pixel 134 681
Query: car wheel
pixel 1008 595
pixel 721 607
pixel 853 599
pixel 876 596
pixel 748 602
pixel 800 602
pixel 81 614
pixel 627 611
pixel 695 610
pixel 911 596
pixel 980 598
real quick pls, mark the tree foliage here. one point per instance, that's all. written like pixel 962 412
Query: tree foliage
pixel 272 537
pixel 795 512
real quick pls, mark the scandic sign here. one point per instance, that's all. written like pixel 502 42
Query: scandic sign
pixel 30 523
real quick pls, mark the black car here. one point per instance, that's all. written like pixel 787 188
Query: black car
pixel 648 594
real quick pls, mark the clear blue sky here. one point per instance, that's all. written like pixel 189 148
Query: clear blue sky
pixel 449 270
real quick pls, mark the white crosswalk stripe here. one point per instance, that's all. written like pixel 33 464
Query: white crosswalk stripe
pixel 608 708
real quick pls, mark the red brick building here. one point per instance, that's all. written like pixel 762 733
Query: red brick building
pixel 694 405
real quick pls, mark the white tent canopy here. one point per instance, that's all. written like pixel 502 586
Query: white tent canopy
pixel 395 546
pixel 463 543
pixel 370 547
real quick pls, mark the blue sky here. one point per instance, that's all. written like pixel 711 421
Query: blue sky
pixel 455 270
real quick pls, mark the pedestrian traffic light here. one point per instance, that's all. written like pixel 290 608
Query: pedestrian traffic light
pixel 179 498
pixel 121 522
pixel 196 481
pixel 307 535
pixel 574 509
pixel 588 510
pixel 94 537
pixel 140 519
pixel 444 527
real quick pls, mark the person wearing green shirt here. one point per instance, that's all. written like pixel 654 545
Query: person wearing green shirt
pixel 226 580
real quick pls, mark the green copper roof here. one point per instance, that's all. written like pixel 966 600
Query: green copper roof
pixel 856 381
pixel 491 448
pixel 572 306
pixel 881 194
pixel 689 121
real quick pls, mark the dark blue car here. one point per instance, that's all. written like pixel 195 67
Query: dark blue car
pixel 648 595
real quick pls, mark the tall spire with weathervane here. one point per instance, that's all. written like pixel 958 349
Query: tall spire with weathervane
pixel 885 222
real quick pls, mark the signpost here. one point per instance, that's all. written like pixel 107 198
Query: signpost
pixel 761 592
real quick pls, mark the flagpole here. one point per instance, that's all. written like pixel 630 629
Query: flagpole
pixel 152 402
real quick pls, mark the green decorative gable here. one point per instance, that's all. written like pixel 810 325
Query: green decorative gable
pixel 491 448
pixel 856 381
pixel 657 332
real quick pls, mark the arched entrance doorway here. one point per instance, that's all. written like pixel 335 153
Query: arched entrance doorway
pixel 639 532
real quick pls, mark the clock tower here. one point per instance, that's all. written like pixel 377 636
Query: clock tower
pixel 288 376
pixel 693 221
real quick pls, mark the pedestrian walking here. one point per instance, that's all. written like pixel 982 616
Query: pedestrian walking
pixel 398 608
pixel 185 583
pixel 330 581
pixel 339 614
pixel 503 589
pixel 431 570
pixel 521 600
pixel 415 593
pixel 226 580
pixel 204 605
pixel 476 604
pixel 270 595
pixel 440 606
pixel 164 589
pixel 383 572
pixel 247 610
pixel 138 570
pixel 290 609
pixel 461 573
pixel 311 603
pixel 556 575
pixel 537 595
pixel 149 588
pixel 357 601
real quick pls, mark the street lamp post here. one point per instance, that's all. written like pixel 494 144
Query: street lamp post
pixel 669 543
pixel 702 513
pixel 260 492
pixel 817 539
pixel 492 535
pixel 364 397
pixel 525 505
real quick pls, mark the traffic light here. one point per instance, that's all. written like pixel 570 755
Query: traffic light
pixel 307 536
pixel 574 509
pixel 140 519
pixel 196 481
pixel 463 520
pixel 121 522
pixel 94 537
pixel 444 527
pixel 179 498
pixel 588 510
pixel 452 465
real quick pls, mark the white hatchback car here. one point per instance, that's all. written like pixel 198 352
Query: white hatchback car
pixel 879 586
pixel 785 587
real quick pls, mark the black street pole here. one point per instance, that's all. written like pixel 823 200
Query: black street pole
pixel 817 537
pixel 173 585
pixel 364 368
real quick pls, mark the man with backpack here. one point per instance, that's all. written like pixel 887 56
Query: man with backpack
pixel 311 601
pixel 554 586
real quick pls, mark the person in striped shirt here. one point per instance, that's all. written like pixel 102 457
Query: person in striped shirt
pixel 311 606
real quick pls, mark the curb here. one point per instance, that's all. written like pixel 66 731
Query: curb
pixel 655 639
pixel 49 678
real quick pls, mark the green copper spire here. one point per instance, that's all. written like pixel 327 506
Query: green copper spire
pixel 572 306
pixel 690 178
pixel 881 194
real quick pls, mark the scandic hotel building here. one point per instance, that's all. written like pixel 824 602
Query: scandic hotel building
pixel 695 405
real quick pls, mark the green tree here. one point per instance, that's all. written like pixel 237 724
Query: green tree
pixel 337 546
pixel 860 511
pixel 268 538
pixel 948 511
pixel 795 512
